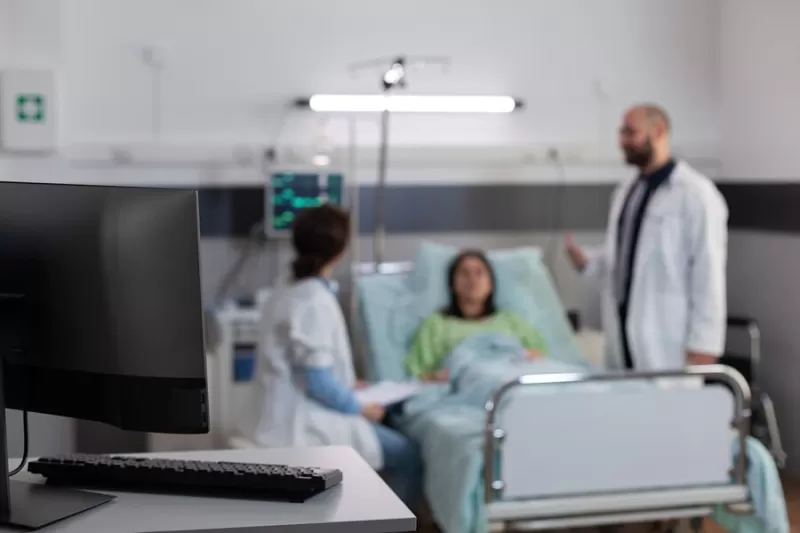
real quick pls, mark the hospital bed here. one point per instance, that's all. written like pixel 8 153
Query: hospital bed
pixel 561 460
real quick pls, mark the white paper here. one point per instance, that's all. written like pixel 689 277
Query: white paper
pixel 387 393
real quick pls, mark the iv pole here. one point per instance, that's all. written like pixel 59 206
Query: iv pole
pixel 379 234
pixel 393 78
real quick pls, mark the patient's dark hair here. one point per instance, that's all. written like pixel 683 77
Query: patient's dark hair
pixel 452 308
pixel 319 235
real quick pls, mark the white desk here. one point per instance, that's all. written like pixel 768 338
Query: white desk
pixel 363 503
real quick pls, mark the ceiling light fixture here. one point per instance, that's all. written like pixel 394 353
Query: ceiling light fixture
pixel 400 103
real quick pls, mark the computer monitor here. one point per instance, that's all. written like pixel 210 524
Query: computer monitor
pixel 290 192
pixel 100 319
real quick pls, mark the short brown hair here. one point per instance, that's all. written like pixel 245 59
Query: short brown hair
pixel 319 235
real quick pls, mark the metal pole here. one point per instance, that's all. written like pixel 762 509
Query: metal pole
pixel 379 236
pixel 355 249
pixel 355 191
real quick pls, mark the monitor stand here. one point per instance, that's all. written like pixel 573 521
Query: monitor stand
pixel 30 505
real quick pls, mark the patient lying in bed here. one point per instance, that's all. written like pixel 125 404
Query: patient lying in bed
pixel 471 310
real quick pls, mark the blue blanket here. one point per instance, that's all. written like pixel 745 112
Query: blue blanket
pixel 766 493
pixel 448 422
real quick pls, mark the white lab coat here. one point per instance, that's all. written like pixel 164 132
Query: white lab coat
pixel 303 326
pixel 677 300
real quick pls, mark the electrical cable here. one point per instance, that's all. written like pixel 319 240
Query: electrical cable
pixel 24 459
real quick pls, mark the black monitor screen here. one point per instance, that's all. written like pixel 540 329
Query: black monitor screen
pixel 292 192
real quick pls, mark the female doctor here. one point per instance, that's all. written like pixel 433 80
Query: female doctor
pixel 303 391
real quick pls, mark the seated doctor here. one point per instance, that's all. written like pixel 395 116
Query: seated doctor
pixel 303 389
pixel 471 310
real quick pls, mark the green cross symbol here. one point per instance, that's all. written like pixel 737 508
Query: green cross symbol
pixel 30 108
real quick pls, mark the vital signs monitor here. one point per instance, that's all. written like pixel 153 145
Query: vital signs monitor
pixel 290 192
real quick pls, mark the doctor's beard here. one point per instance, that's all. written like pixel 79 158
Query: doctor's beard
pixel 639 156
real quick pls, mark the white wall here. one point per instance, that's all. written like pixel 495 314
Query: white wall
pixel 5 31
pixel 33 32
pixel 232 66
pixel 760 80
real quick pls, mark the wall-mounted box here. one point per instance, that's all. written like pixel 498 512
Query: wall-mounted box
pixel 28 110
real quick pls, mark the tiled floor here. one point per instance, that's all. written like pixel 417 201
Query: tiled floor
pixel 791 489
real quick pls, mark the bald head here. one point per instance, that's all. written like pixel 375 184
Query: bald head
pixel 644 135
pixel 652 113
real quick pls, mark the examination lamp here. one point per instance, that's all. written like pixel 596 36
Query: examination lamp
pixel 401 103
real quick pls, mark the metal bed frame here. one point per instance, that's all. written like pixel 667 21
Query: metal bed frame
pixel 550 513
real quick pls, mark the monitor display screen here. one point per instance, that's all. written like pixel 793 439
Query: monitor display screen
pixel 291 192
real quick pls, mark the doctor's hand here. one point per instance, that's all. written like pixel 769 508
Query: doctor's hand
pixel 373 411
pixel 699 358
pixel 575 253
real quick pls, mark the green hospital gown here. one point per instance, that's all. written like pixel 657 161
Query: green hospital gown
pixel 439 334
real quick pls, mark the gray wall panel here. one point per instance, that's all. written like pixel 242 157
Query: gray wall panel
pixel 760 205
pixel 763 284
pixel 501 207
pixel 461 208
pixel 230 212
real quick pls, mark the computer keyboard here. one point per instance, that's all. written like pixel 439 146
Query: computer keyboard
pixel 201 478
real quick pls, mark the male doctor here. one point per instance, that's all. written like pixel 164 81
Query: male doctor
pixel 662 269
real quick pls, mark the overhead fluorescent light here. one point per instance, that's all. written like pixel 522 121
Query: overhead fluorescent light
pixel 396 103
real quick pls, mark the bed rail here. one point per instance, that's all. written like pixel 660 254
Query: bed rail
pixel 494 435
